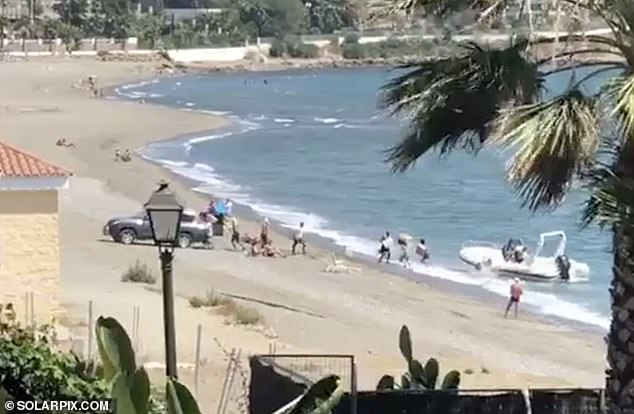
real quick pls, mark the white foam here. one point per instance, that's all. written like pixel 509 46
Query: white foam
pixel 326 120
pixel 171 163
pixel 217 113
pixel 131 94
pixel 283 120
pixel 190 104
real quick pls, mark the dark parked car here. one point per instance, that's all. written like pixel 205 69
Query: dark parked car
pixel 127 230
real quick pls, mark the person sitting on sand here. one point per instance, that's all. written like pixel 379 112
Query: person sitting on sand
pixel 269 251
pixel 63 143
pixel 298 239
pixel 254 243
pixel 126 156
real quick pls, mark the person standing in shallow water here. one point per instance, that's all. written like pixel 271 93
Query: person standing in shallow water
pixel 516 292
pixel 385 248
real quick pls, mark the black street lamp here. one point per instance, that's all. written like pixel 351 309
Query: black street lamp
pixel 165 212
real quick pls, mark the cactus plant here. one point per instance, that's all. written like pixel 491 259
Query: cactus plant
pixel 417 375
pixel 131 385
pixel 321 398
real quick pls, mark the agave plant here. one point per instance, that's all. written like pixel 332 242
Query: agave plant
pixel 417 375
pixel 496 95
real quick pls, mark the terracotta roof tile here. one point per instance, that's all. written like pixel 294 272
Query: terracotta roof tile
pixel 20 164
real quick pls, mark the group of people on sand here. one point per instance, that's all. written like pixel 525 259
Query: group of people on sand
pixel 122 156
pixel 263 245
pixel 63 143
pixel 220 214
pixel 386 244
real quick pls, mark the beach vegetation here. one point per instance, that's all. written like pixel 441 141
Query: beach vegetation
pixel 211 299
pixel 225 305
pixel 292 46
pixel 583 134
pixel 31 368
pixel 393 48
pixel 139 273
pixel 243 315
pixel 418 376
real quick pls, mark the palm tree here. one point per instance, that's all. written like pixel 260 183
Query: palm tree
pixel 488 95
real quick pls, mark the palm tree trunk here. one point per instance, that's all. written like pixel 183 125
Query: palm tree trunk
pixel 620 357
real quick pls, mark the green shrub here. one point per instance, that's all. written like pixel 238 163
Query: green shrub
pixel 354 51
pixel 292 46
pixel 351 39
pixel 210 300
pixel 304 51
pixel 31 369
pixel 138 273
pixel 278 49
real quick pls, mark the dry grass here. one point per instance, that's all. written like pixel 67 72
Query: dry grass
pixel 138 273
pixel 236 313
pixel 210 300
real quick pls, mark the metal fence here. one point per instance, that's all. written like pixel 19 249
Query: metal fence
pixel 312 367
pixel 278 379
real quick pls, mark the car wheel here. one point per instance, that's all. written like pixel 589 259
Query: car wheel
pixel 184 241
pixel 127 236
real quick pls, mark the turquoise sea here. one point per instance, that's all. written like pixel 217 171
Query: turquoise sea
pixel 308 146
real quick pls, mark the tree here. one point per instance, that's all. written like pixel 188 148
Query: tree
pixel 72 12
pixel 330 15
pixel 487 95
pixel 148 28
pixel 274 18
pixel 117 18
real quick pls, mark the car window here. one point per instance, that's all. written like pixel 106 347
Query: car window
pixel 186 218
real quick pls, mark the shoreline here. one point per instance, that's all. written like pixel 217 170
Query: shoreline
pixel 305 309
pixel 246 212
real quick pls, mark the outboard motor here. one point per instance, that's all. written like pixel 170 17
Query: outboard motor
pixel 563 265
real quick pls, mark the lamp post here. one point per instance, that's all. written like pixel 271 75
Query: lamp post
pixel 165 212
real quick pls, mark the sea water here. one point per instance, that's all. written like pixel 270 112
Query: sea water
pixel 310 146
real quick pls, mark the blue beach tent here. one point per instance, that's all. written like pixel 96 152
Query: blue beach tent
pixel 220 207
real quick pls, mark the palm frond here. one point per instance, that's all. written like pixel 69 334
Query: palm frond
pixel 612 191
pixel 621 89
pixel 554 141
pixel 451 102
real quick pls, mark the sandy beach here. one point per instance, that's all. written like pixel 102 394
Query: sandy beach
pixel 305 309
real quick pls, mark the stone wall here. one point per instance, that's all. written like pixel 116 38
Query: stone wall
pixel 29 251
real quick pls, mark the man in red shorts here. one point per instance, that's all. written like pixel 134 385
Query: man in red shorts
pixel 516 293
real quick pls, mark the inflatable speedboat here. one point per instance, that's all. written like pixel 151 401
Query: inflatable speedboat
pixel 514 260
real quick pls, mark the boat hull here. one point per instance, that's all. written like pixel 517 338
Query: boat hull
pixel 540 269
